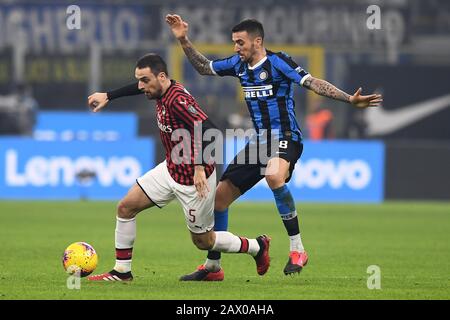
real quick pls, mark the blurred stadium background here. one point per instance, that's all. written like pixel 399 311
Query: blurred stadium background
pixel 53 148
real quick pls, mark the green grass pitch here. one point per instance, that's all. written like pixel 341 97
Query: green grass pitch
pixel 409 241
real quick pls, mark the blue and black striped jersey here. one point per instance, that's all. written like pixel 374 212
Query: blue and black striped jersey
pixel 268 90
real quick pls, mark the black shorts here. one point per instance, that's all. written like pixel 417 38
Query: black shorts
pixel 245 174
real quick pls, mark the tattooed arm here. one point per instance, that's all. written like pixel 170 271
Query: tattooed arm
pixel 179 30
pixel 326 89
pixel 198 61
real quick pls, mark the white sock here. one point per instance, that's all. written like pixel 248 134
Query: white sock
pixel 228 242
pixel 122 266
pixel 296 243
pixel 125 233
pixel 253 247
pixel 125 236
pixel 212 265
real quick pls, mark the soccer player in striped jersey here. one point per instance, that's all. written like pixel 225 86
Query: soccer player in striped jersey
pixel 180 177
pixel 268 80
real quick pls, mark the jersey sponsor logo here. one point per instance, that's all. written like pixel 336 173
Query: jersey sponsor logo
pixel 159 117
pixel 164 128
pixel 258 91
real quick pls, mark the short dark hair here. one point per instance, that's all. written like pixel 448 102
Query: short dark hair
pixel 154 62
pixel 252 26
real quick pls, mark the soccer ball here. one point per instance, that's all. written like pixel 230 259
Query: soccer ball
pixel 80 257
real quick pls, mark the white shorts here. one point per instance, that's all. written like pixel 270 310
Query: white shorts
pixel 160 188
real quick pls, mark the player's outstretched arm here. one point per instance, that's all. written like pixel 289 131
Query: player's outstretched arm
pixel 180 30
pixel 326 89
pixel 99 100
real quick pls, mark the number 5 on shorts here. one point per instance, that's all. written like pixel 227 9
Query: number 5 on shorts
pixel 192 219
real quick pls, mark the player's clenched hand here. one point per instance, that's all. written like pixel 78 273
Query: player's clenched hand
pixel 373 100
pixel 200 181
pixel 178 26
pixel 97 101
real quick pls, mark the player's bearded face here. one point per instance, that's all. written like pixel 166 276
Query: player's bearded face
pixel 148 83
pixel 244 45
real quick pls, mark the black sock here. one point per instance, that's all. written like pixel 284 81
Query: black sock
pixel 214 255
pixel 291 226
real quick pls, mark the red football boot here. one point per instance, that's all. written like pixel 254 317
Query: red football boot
pixel 297 260
pixel 113 275
pixel 262 258
pixel 201 274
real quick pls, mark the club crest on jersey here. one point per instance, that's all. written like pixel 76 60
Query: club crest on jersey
pixel 258 91
pixel 263 75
